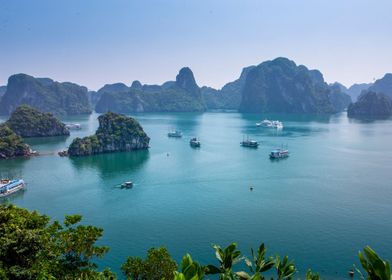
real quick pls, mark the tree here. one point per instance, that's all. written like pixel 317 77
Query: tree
pixel 158 265
pixel 33 248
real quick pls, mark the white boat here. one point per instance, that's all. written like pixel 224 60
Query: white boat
pixel 73 126
pixel 265 123
pixel 272 124
pixel 175 133
pixel 8 187
pixel 277 124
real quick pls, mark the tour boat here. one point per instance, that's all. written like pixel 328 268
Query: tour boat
pixel 194 142
pixel 175 133
pixel 279 153
pixel 249 143
pixel 272 124
pixel 265 123
pixel 8 187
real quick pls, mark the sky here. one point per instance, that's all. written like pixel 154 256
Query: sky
pixel 96 42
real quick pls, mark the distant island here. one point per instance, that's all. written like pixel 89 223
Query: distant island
pixel 181 95
pixel 45 95
pixel 371 104
pixel 275 86
pixel 115 133
pixel 29 122
pixel 11 144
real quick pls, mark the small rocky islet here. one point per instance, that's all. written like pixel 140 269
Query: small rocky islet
pixel 29 122
pixel 116 133
pixel 26 122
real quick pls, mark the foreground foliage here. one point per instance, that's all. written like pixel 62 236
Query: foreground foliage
pixel 33 248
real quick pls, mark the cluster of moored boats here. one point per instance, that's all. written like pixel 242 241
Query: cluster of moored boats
pixel 194 142
pixel 274 154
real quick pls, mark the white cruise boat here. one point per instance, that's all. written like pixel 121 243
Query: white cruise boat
pixel 272 124
pixel 8 187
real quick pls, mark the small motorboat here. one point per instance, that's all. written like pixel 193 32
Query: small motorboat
pixel 127 185
pixel 175 134
pixel 194 142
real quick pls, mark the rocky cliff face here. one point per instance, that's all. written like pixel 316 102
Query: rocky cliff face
pixel 45 95
pixel 280 86
pixel 12 145
pixel 29 122
pixel 383 85
pixel 339 99
pixel 182 95
pixel 3 89
pixel 371 105
pixel 115 133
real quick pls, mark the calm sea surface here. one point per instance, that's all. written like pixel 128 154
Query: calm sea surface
pixel 332 196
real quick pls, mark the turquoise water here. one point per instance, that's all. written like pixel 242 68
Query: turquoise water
pixel 320 206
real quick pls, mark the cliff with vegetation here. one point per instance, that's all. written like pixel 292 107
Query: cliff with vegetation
pixel 280 86
pixel 383 85
pixel 338 98
pixel 29 122
pixel 182 95
pixel 115 133
pixel 45 95
pixel 371 105
pixel 11 144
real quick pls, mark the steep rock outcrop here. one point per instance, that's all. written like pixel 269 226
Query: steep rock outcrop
pixel 280 86
pixel 29 122
pixel 371 105
pixel 45 95
pixel 182 95
pixel 339 99
pixel 115 133
pixel 383 85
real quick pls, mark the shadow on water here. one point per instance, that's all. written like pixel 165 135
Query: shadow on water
pixel 368 120
pixel 111 164
pixel 322 118
pixel 295 125
pixel 13 168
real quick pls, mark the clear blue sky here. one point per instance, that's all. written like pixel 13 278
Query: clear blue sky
pixel 93 42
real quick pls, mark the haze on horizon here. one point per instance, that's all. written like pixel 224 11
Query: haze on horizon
pixel 95 42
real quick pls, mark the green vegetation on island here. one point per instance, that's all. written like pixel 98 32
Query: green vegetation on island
pixel 182 95
pixel 33 247
pixel 371 105
pixel 45 95
pixel 280 86
pixel 29 122
pixel 11 144
pixel 115 133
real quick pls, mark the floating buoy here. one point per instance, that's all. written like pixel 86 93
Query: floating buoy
pixel 251 188
pixel 351 273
